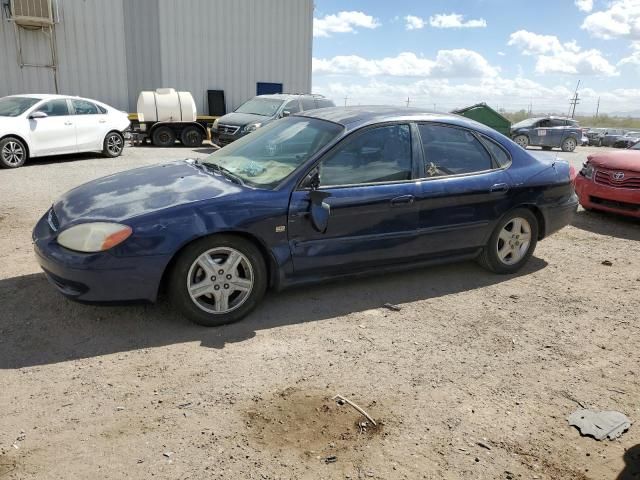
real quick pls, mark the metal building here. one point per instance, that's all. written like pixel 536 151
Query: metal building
pixel 111 50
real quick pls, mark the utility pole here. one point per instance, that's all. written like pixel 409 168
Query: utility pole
pixel 434 107
pixel 574 101
pixel 345 101
pixel 598 108
pixel 408 101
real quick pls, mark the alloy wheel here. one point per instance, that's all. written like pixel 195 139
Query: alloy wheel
pixel 114 144
pixel 220 280
pixel 13 153
pixel 514 241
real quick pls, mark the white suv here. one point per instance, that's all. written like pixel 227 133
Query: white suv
pixel 38 125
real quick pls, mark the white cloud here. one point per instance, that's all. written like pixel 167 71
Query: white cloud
pixel 455 20
pixel 584 5
pixel 553 56
pixel 414 23
pixel 343 22
pixel 458 63
pixel 621 19
pixel 502 54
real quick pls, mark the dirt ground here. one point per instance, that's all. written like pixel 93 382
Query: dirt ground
pixel 472 378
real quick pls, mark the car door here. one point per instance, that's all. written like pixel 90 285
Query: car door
pixel 464 189
pixel 366 182
pixel 54 134
pixel 541 133
pixel 91 125
pixel 558 132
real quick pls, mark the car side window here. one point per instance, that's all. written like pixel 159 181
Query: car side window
pixel 452 151
pixel 82 107
pixel 308 103
pixel 380 154
pixel 556 122
pixel 292 106
pixel 321 103
pixel 498 153
pixel 55 108
pixel 544 124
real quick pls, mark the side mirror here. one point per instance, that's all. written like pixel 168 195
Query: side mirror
pixel 320 211
pixel 285 113
pixel 36 115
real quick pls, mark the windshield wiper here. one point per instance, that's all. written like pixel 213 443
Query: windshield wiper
pixel 223 171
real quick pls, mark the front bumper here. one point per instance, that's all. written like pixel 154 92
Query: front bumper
pixel 96 277
pixel 220 138
pixel 560 215
pixel 623 201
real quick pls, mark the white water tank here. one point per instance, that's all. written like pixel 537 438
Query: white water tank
pixel 166 105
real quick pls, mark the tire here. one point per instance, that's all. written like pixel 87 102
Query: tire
pixel 569 144
pixel 198 289
pixel 192 137
pixel 521 140
pixel 493 257
pixel 163 137
pixel 13 153
pixel 113 145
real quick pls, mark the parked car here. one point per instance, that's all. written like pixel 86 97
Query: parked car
pixel 260 111
pixel 594 135
pixel 610 137
pixel 37 125
pixel 610 182
pixel 635 147
pixel 629 139
pixel 548 133
pixel 322 194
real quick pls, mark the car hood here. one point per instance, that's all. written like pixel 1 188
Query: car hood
pixel 623 160
pixel 141 191
pixel 242 119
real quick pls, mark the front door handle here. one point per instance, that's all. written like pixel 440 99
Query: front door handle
pixel 102 121
pixel 499 188
pixel 403 200
pixel 68 123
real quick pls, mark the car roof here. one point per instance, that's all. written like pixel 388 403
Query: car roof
pixel 354 117
pixel 40 96
pixel 286 96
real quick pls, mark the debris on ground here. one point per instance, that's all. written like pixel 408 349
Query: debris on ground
pixel 340 400
pixel 484 445
pixel 391 306
pixel 167 454
pixel 331 459
pixel 607 263
pixel 600 424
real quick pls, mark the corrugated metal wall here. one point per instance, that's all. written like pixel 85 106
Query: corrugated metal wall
pixel 91 54
pixel 111 50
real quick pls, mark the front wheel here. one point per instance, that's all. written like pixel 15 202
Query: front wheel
pixel 113 145
pixel 512 242
pixel 569 144
pixel 522 140
pixel 218 280
pixel 192 137
pixel 13 153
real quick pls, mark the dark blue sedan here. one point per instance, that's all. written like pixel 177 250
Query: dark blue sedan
pixel 324 194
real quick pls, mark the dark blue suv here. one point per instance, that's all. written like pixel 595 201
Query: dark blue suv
pixel 547 132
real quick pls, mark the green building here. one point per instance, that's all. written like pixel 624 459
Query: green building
pixel 486 115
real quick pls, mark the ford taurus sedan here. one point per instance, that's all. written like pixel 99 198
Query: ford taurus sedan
pixel 38 125
pixel 316 196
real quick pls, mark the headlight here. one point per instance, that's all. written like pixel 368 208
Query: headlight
pixel 215 124
pixel 251 127
pixel 587 171
pixel 94 237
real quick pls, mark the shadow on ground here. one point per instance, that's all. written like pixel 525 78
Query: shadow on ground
pixel 38 326
pixel 609 224
pixel 631 464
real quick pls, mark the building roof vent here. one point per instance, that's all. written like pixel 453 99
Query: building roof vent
pixel 32 13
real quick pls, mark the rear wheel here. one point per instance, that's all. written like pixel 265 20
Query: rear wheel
pixel 512 242
pixel 163 137
pixel 113 145
pixel 218 280
pixel 522 140
pixel 13 153
pixel 569 144
pixel 192 137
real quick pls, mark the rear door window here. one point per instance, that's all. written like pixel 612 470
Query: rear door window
pixel 55 108
pixel 83 107
pixel 452 151
pixel 308 103
pixel 292 107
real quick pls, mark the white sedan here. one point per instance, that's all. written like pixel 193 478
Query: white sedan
pixel 39 125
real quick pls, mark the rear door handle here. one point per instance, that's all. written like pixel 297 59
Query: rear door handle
pixel 499 188
pixel 102 121
pixel 68 123
pixel 403 200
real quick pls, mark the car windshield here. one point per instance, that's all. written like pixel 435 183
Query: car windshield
pixel 636 146
pixel 633 134
pixel 267 107
pixel 268 155
pixel 14 106
pixel 529 122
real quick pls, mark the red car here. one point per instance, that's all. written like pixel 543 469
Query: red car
pixel 610 181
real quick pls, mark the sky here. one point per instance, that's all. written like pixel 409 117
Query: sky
pixel 511 54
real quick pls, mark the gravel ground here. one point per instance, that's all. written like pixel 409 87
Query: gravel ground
pixel 473 378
